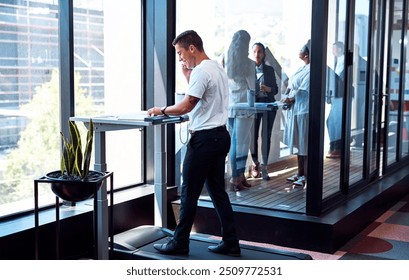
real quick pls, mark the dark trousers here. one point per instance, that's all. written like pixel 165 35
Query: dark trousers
pixel 302 165
pixel 266 142
pixel 204 164
pixel 335 145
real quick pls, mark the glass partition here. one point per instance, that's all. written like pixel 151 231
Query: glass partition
pixel 346 95
pixel 262 159
pixel 335 92
pixel 375 91
pixel 405 120
pixel 359 91
pixel 394 68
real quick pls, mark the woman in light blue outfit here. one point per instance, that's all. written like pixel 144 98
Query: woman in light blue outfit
pixel 296 131
pixel 242 77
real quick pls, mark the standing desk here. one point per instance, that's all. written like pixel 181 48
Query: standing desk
pixel 260 107
pixel 138 120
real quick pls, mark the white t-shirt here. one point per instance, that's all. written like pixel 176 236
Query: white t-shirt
pixel 208 81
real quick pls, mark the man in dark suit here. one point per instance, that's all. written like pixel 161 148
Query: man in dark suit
pixel 266 89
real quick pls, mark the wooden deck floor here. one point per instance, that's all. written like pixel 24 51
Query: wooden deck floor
pixel 278 194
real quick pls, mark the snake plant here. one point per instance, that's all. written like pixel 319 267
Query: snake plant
pixel 74 162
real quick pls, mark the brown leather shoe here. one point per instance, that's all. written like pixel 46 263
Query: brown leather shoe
pixel 244 182
pixel 236 184
pixel 334 154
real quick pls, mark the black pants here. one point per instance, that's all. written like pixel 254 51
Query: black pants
pixel 335 145
pixel 265 142
pixel 204 164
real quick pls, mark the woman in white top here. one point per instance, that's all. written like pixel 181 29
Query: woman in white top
pixel 296 131
pixel 242 78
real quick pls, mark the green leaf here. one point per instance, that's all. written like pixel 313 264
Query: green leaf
pixel 88 148
pixel 78 162
pixel 67 156
pixel 75 135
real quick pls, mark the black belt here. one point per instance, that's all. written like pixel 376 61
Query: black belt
pixel 218 128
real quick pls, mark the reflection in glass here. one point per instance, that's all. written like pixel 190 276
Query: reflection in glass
pixel 375 92
pixel 405 120
pixel 358 91
pixel 394 81
pixel 334 95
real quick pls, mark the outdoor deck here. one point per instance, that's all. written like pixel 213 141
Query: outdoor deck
pixel 279 194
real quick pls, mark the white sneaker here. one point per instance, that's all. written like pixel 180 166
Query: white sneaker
pixel 293 178
pixel 300 182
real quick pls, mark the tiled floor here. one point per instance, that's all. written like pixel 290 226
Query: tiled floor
pixel 387 238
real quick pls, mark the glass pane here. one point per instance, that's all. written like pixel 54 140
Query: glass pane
pixel 394 81
pixel 359 85
pixel 376 91
pixel 108 81
pixel 334 95
pixel 405 127
pixel 262 152
pixel 29 101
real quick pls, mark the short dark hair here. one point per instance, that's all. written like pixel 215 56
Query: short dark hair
pixel 260 45
pixel 306 48
pixel 187 38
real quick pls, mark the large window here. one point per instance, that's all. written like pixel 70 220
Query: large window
pixel 29 99
pixel 346 95
pixel 107 54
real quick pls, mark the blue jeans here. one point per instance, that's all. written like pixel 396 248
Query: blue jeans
pixel 204 164
pixel 240 129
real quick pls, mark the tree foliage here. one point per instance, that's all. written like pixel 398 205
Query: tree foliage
pixel 38 149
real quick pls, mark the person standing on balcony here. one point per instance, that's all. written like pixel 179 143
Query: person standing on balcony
pixel 296 130
pixel 266 89
pixel 241 74
pixel 207 102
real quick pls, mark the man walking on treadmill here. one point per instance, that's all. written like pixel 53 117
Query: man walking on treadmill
pixel 207 103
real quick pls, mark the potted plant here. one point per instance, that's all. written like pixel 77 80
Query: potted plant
pixel 74 181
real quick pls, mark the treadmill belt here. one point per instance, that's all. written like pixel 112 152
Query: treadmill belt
pixel 138 243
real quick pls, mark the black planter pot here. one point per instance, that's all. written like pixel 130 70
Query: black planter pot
pixel 75 189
